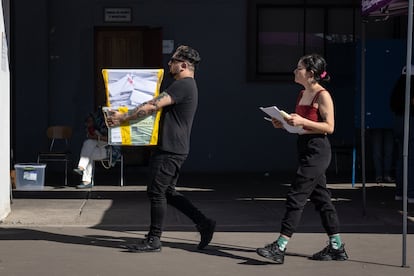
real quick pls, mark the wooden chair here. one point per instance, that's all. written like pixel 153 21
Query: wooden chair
pixel 59 138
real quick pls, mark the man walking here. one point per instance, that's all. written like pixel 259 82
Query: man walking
pixel 179 104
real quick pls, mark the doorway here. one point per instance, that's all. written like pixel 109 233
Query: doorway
pixel 126 48
pixel 122 48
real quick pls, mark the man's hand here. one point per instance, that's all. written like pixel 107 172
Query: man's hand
pixel 114 118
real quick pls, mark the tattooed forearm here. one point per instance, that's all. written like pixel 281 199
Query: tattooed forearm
pixel 155 102
pixel 146 109
pixel 143 113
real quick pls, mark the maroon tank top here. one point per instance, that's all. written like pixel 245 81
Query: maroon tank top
pixel 309 111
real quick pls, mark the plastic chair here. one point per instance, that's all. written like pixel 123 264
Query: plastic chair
pixel 59 137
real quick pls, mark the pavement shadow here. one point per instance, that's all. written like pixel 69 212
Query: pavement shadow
pixel 119 242
pixel 251 202
pixel 246 202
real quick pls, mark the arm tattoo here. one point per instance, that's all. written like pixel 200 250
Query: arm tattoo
pixel 138 111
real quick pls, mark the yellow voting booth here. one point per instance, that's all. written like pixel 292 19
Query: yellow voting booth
pixel 126 89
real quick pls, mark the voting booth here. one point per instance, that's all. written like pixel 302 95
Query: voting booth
pixel 126 89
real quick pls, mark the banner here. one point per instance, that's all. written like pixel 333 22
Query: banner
pixel 126 89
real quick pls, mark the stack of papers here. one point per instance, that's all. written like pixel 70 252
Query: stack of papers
pixel 276 113
pixel 126 89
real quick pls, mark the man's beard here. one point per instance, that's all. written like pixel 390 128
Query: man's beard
pixel 172 74
pixel 175 71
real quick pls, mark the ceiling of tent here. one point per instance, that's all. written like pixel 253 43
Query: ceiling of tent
pixel 384 8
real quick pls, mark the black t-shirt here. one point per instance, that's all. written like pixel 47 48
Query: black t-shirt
pixel 177 119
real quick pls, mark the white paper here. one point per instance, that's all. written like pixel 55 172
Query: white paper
pixel 131 87
pixel 124 84
pixel 274 112
pixel 138 98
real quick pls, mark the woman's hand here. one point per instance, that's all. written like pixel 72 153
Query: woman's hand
pixel 295 120
pixel 276 123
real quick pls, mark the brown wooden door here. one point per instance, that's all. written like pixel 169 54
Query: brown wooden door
pixel 124 47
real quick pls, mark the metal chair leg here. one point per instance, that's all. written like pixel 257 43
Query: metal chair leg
pixel 93 173
pixel 122 170
pixel 121 180
pixel 66 173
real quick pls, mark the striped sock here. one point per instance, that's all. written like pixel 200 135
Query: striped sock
pixel 335 241
pixel 282 242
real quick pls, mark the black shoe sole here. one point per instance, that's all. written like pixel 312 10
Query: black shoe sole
pixel 329 258
pixel 135 249
pixel 269 256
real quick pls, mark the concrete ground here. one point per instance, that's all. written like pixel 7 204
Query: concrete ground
pixel 64 231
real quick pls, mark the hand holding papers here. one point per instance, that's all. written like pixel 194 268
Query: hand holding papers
pixel 278 114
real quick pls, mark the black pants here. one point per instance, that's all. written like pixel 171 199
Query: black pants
pixel 165 170
pixel 310 182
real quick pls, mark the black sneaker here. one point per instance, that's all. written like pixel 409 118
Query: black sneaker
pixel 206 229
pixel 150 244
pixel 272 252
pixel 78 171
pixel 331 254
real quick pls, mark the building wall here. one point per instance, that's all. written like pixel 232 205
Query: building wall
pixel 53 79
pixel 4 118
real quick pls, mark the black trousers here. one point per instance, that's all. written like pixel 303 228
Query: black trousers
pixel 165 170
pixel 314 153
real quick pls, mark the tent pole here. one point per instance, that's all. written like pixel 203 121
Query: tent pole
pixel 407 127
pixel 363 40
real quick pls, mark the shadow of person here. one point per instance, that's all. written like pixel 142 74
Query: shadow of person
pixel 231 251
pixel 245 255
pixel 120 242
pixel 220 250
